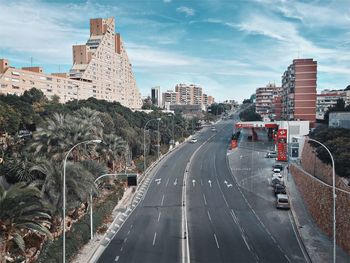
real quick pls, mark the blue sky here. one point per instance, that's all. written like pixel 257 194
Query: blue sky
pixel 228 47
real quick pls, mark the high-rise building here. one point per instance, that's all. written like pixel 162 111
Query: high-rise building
pixel 155 96
pixel 101 69
pixel 211 100
pixel 299 91
pixel 170 97
pixel 189 94
pixel 265 98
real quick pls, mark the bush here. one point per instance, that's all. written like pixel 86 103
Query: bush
pixel 80 233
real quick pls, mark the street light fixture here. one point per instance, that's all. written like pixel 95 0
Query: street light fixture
pixel 334 194
pixel 144 141
pixel 64 192
pixel 91 215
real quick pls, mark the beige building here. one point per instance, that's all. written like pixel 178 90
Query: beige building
pixel 170 98
pixel 189 94
pixel 101 69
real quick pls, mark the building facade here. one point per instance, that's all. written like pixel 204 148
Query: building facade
pixel 189 94
pixel 265 98
pixel 170 97
pixel 299 91
pixel 101 69
pixel 155 96
pixel 327 99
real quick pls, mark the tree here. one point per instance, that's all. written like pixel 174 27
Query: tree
pixel 21 208
pixel 10 119
pixel 249 114
pixel 347 88
pixel 33 96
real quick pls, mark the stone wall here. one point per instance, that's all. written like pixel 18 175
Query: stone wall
pixel 317 195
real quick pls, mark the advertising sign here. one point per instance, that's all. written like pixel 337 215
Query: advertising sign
pixel 282 145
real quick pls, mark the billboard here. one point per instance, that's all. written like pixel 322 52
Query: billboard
pixel 282 145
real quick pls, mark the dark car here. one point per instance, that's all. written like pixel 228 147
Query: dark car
pixel 280 189
pixel 277 166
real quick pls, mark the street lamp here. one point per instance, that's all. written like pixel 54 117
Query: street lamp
pixel 173 115
pixel 91 216
pixel 144 142
pixel 334 195
pixel 64 192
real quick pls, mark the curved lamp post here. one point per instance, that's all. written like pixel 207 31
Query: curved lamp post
pixel 144 142
pixel 64 192
pixel 334 195
pixel 91 216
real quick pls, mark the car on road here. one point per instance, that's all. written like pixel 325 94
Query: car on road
pixel 193 140
pixel 271 155
pixel 277 170
pixel 277 180
pixel 280 189
pixel 282 201
pixel 277 166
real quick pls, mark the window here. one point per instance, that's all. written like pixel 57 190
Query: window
pixel 48 78
pixel 15 80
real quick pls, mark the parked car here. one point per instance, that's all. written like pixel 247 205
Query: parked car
pixel 277 166
pixel 276 170
pixel 193 140
pixel 277 180
pixel 280 189
pixel 282 201
pixel 271 155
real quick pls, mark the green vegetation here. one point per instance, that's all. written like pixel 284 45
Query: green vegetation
pixel 34 164
pixel 339 107
pixel 249 114
pixel 337 141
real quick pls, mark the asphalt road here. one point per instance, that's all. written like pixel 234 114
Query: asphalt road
pixel 153 232
pixel 224 223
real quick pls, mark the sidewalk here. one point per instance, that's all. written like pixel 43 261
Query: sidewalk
pixel 317 244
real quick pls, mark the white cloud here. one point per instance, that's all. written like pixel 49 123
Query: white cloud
pixel 186 10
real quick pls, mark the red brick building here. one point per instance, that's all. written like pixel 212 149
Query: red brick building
pixel 299 84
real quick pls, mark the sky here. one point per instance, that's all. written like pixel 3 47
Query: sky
pixel 229 47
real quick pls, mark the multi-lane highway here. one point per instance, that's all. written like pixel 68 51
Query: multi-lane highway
pixel 194 211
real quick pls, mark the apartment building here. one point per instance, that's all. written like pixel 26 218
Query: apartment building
pixel 265 98
pixel 299 91
pixel 189 94
pixel 101 69
pixel 211 100
pixel 170 97
pixel 328 98
pixel 155 96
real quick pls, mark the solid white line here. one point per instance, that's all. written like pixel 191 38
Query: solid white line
pixel 128 233
pixel 205 200
pixel 162 200
pixel 216 240
pixel 121 249
pixel 125 240
pixel 154 238
pixel 209 216
pixel 167 181
pixel 159 215
pixel 116 258
pixel 297 238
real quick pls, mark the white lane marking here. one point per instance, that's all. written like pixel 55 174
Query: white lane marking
pixel 159 215
pixel 154 238
pixel 116 258
pixel 167 181
pixel 216 240
pixel 297 238
pixel 121 219
pixel 116 225
pixel 131 226
pixel 162 200
pixel 209 216
pixel 205 200
pixel 125 240
pixel 124 214
pixel 175 183
pixel 158 180
pixel 229 185
pixel 121 249
pixel 209 182
pixel 194 182
pixel 128 233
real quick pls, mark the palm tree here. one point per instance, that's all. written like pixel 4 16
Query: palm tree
pixel 59 134
pixel 21 208
pixel 91 118
pixel 114 146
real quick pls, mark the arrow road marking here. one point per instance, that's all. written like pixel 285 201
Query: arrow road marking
pixel 193 182
pixel 175 183
pixel 229 185
pixel 209 182
pixel 158 180
pixel 225 182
